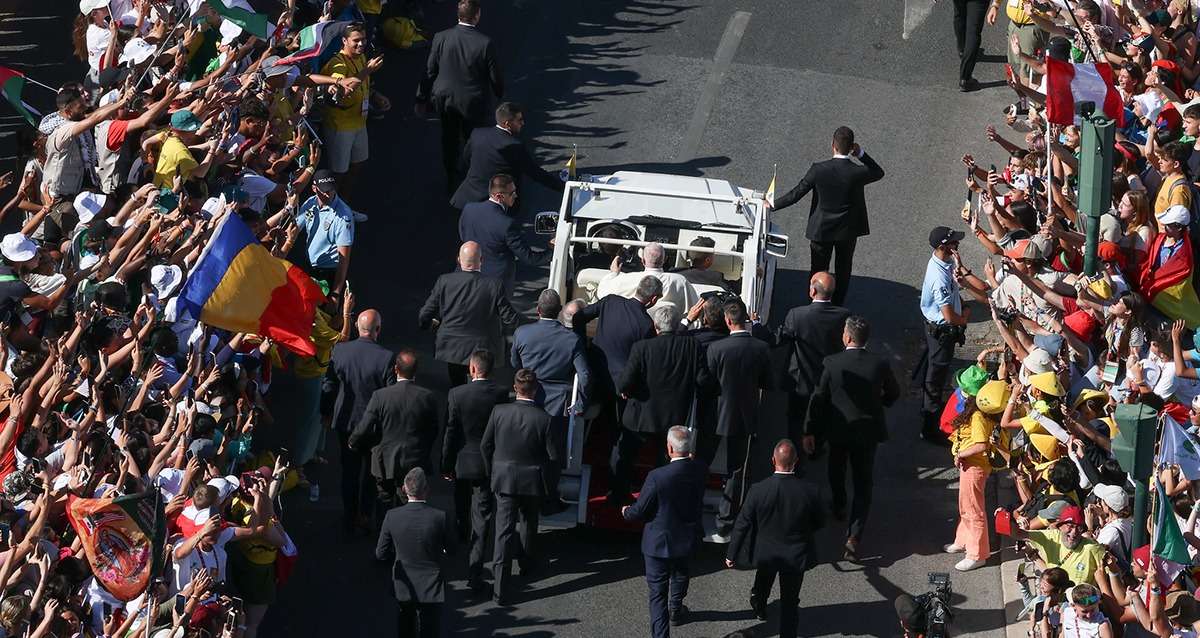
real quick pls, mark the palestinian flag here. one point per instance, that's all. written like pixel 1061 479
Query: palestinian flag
pixel 315 39
pixel 123 538
pixel 1168 285
pixel 240 12
pixel 12 83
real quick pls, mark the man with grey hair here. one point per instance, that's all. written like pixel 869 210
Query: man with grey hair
pixel 675 288
pixel 622 323
pixel 671 503
pixel 417 538
pixel 659 382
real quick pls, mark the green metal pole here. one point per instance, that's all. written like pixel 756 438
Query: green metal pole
pixel 1137 430
pixel 1095 180
pixel 1141 504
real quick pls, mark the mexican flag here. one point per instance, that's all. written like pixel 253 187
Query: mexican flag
pixel 12 83
pixel 240 12
pixel 123 538
pixel 315 39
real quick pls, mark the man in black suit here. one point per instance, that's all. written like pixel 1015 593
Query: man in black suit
pixel 399 426
pixel 417 538
pixel 622 322
pixel 810 333
pixel 356 370
pixel 462 81
pixel 556 355
pixel 847 410
pixel 838 216
pixel 671 503
pixel 775 528
pixel 659 382
pixel 498 149
pixel 469 406
pixel 522 458
pixel 463 308
pixel 490 224
pixel 740 365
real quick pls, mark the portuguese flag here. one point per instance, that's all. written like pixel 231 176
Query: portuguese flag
pixel 12 83
pixel 123 538
pixel 1168 285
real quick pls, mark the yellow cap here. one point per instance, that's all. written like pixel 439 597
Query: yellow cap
pixel 992 397
pixel 1101 289
pixel 1031 425
pixel 1047 445
pixel 1088 395
pixel 1048 383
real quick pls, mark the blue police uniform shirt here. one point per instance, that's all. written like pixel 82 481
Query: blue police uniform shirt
pixel 939 289
pixel 327 228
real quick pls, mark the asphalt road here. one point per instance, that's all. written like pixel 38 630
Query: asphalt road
pixel 696 87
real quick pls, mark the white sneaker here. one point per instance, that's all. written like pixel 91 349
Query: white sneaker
pixel 716 538
pixel 967 564
pixel 954 549
pixel 314 493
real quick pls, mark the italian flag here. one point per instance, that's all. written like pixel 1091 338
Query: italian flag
pixel 12 83
pixel 1069 84
pixel 315 39
pixel 240 12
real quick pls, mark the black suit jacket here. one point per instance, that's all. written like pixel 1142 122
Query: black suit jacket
pixel 469 406
pixel 811 333
pixel 776 524
pixel 400 424
pixel 518 451
pixel 418 538
pixel 357 369
pixel 470 308
pixel 499 238
pixel 839 206
pixel 847 406
pixel 672 503
pixel 492 150
pixel 623 322
pixel 660 379
pixel 462 74
pixel 741 368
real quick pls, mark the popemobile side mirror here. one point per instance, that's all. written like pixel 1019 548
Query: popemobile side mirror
pixel 546 223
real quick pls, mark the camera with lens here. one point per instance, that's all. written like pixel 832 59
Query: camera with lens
pixel 928 614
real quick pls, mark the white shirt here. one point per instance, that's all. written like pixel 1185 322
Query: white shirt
pixel 213 559
pixel 676 288
pixel 97 44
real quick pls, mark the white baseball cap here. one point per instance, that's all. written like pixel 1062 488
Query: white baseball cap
pixel 88 6
pixel 213 205
pixel 136 51
pixel 1036 362
pixel 88 204
pixel 225 486
pixel 17 248
pixel 110 98
pixel 165 279
pixel 1176 214
pixel 1021 182
pixel 1113 496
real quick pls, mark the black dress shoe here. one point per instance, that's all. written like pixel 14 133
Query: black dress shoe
pixel 759 607
pixel 968 85
pixel 679 616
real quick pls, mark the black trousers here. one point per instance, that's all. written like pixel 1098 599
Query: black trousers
pixel 356 494
pixel 734 458
pixel 475 506
pixel 667 580
pixel 629 447
pixel 797 411
pixel 456 130
pixel 821 253
pixel 789 597
pixel 861 459
pixel 936 359
pixel 968 25
pixel 510 507
pixel 420 620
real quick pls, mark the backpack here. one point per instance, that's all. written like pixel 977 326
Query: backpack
pixel 1193 207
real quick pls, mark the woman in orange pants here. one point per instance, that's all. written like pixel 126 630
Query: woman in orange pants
pixel 969 445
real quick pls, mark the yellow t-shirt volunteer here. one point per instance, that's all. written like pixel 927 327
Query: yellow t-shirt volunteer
pixel 350 113
pixel 978 429
pixel 174 158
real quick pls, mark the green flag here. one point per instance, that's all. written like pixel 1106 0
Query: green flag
pixel 241 14
pixel 12 83
pixel 1168 540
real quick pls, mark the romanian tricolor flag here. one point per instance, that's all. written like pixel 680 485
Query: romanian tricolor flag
pixel 238 285
pixel 1168 285
pixel 123 538
pixel 12 83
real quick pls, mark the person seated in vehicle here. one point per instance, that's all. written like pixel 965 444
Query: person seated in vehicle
pixel 701 271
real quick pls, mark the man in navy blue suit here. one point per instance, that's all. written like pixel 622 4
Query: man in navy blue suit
pixel 671 503
pixel 490 224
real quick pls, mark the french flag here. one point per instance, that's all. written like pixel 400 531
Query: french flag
pixel 1068 84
